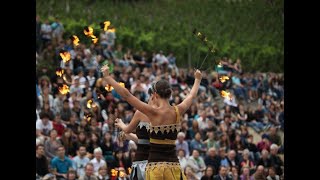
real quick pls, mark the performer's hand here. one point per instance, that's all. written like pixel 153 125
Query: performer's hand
pixel 198 74
pixel 105 70
pixel 118 123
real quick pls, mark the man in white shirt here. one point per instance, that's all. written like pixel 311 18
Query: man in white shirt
pixel 43 126
pixel 97 161
pixel 81 161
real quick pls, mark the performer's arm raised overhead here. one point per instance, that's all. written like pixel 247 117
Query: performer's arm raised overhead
pixel 186 103
pixel 127 96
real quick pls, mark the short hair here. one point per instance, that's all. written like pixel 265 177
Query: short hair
pixel 274 146
pixel 96 150
pixel 44 115
pixel 246 151
pixel 181 134
pixel 39 145
pixel 88 164
pixel 71 171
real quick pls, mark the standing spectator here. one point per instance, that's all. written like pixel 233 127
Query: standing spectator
pixel 46 33
pixel 57 31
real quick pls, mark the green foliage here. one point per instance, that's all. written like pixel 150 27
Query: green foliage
pixel 251 30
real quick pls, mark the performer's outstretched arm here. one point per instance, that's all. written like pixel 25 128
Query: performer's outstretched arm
pixel 127 96
pixel 186 103
pixel 132 125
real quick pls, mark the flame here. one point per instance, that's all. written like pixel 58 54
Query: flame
pixel 89 104
pixel 226 94
pixel 111 30
pixel 110 88
pixel 122 84
pixel 59 72
pixel 121 174
pixel 114 172
pixel 224 79
pixel 94 40
pixel 65 55
pixel 87 117
pixel 88 31
pixel 105 25
pixel 64 89
pixel 64 78
pixel 75 40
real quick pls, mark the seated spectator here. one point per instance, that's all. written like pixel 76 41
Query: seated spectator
pixel 61 164
pixel 196 163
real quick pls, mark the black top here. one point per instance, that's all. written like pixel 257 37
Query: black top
pixel 142 147
pixel 42 166
pixel 161 152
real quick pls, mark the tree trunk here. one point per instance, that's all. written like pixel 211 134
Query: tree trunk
pixel 67 7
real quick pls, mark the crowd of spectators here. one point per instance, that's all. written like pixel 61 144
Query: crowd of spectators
pixel 77 141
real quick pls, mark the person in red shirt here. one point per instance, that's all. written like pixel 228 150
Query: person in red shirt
pixel 57 125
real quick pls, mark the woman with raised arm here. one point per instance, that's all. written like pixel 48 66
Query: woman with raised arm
pixel 140 123
pixel 164 125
